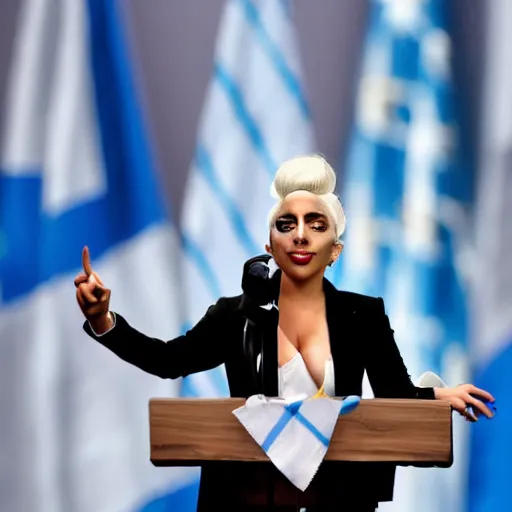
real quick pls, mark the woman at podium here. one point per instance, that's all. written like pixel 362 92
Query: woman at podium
pixel 290 331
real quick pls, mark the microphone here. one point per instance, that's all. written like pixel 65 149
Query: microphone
pixel 260 285
pixel 257 279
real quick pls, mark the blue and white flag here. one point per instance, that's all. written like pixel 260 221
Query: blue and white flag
pixel 255 116
pixel 407 193
pixel 76 169
pixel 491 348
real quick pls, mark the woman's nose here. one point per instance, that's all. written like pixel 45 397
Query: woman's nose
pixel 300 236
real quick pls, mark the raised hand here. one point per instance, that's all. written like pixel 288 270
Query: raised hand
pixel 92 296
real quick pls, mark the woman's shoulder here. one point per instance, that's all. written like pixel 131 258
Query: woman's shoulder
pixel 359 298
pixel 226 304
pixel 358 301
pixel 220 313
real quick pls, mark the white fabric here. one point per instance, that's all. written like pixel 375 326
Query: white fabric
pixel 430 380
pixel 295 379
pixel 296 451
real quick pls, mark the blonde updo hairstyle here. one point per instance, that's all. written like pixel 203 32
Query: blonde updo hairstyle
pixel 310 173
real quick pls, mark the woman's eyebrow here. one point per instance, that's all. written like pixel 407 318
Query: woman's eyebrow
pixel 287 216
pixel 309 217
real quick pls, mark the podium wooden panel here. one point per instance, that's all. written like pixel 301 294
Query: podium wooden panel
pixel 378 435
pixel 189 432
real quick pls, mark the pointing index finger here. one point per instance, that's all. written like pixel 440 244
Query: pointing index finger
pixel 86 261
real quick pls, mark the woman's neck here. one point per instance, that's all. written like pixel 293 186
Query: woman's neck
pixel 312 289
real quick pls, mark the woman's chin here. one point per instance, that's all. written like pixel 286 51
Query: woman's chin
pixel 301 273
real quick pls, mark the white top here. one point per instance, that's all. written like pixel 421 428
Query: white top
pixel 295 379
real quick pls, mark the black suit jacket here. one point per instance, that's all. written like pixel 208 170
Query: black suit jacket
pixel 360 337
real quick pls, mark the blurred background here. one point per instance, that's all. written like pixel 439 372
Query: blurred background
pixel 150 131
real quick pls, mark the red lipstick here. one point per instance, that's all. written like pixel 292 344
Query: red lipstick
pixel 301 257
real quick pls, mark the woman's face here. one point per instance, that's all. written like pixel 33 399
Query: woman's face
pixel 303 237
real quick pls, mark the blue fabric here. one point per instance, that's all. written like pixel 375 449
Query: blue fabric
pixel 349 404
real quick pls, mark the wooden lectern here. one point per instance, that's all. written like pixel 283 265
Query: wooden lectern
pixel 365 449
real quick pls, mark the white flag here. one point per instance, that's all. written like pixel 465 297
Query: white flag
pixel 76 170
pixel 255 116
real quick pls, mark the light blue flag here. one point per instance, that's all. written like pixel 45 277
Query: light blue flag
pixel 77 169
pixel 491 349
pixel 255 116
pixel 407 195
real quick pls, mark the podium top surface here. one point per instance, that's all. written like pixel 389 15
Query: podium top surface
pixel 192 432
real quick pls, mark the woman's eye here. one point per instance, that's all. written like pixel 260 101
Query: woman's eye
pixel 283 225
pixel 319 226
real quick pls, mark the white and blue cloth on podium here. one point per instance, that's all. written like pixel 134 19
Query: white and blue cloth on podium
pixel 296 432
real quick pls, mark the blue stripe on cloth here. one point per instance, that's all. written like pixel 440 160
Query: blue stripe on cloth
pixel 288 413
pixel 302 419
pixel 349 403
pixel 235 216
pixel 252 129
pixel 293 410
pixel 273 52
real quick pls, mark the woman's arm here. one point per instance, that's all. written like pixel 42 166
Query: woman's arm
pixel 201 348
pixel 385 367
pixel 389 378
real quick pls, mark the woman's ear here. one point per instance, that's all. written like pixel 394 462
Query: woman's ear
pixel 336 250
pixel 268 248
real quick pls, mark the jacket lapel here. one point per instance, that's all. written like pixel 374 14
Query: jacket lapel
pixel 345 345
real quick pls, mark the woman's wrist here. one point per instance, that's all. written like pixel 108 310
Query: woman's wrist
pixel 101 324
pixel 438 393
